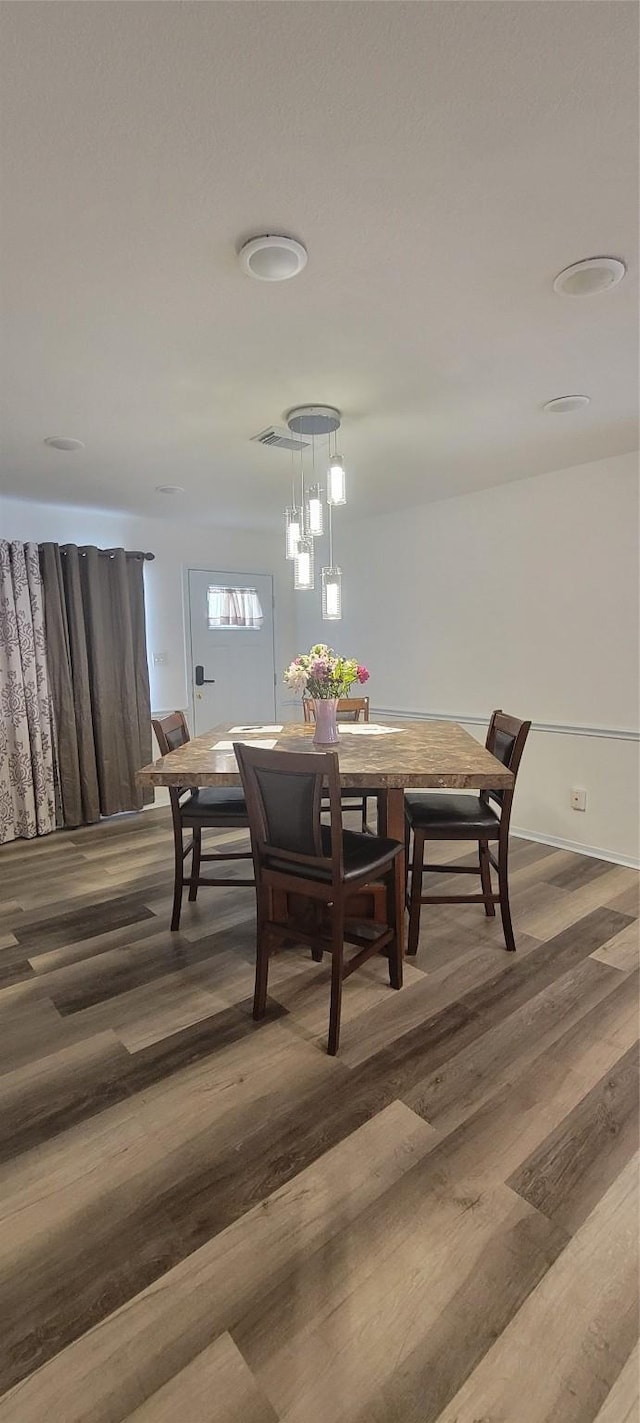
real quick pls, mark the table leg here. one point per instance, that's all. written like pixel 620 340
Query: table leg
pixel 391 824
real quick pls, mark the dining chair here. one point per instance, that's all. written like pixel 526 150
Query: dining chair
pixel 198 810
pixel 306 871
pixel 348 709
pixel 463 817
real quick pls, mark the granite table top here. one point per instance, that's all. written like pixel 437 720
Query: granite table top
pixel 439 754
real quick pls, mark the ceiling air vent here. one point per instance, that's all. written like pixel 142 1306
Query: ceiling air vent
pixel 280 439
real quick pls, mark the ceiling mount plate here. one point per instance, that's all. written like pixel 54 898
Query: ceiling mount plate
pixel 566 404
pixel 313 419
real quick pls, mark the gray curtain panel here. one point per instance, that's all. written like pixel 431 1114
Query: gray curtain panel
pixel 97 660
pixel 27 803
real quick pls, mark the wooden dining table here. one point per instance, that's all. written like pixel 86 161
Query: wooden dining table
pixel 419 754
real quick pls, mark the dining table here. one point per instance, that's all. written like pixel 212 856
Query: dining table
pixel 382 758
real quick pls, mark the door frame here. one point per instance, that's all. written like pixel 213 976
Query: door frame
pixel 186 585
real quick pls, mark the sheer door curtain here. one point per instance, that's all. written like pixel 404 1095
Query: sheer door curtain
pixel 99 679
pixel 27 799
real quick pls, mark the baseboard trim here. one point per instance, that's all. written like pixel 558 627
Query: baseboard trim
pixel 592 851
pixel 555 728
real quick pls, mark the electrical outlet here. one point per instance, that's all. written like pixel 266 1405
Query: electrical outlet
pixel 578 799
pixel 159 659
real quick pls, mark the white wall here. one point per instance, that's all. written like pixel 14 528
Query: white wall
pixel 177 545
pixel 525 597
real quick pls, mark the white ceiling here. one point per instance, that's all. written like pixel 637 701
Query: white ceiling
pixel 441 162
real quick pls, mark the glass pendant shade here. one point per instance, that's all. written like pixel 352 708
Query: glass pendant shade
pixel 303 565
pixel 315 519
pixel 337 489
pixel 331 594
pixel 293 530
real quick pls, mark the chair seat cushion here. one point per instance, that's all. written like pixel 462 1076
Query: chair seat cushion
pixel 215 805
pixel 363 854
pixel 452 816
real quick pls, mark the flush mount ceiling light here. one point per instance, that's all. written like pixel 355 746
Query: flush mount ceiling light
pixel 272 259
pixel 169 489
pixel 565 404
pixel 595 274
pixel 63 442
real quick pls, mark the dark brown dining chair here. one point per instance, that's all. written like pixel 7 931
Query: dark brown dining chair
pixel 306 872
pixel 463 817
pixel 197 810
pixel 348 709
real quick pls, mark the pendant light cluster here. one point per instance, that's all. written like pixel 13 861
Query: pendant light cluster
pixel 306 519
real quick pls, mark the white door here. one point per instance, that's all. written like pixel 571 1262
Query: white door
pixel 232 658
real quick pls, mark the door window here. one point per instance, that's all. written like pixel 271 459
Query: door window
pixel 233 608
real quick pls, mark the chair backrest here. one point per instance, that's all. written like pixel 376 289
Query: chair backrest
pixel 171 732
pixel 348 709
pixel 506 739
pixel 283 791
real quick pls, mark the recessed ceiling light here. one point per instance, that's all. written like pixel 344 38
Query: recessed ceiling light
pixel 595 274
pixel 63 442
pixel 169 489
pixel 272 259
pixel 564 404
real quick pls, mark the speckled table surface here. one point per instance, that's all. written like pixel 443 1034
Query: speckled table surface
pixel 439 754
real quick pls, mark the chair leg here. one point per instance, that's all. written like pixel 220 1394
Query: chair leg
pixel 178 848
pixel 485 876
pixel 262 969
pixel 415 893
pixel 337 965
pixel 316 953
pixel 395 903
pixel 195 862
pixel 503 884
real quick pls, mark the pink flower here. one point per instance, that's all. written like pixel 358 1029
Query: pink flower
pixel 362 674
pixel 318 670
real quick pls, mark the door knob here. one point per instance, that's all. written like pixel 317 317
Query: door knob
pixel 201 680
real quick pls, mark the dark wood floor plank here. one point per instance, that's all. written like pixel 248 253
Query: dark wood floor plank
pixel 60 1090
pixel 84 1078
pixel 165 1157
pixel 77 923
pixel 411 1058
pixel 576 1163
pixel 507 1128
pixel 582 870
pixel 160 1331
pixel 565 1348
pixel 505 1272
pixel 219 1372
pixel 447 1096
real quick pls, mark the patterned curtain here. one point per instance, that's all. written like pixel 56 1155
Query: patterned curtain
pixel 27 799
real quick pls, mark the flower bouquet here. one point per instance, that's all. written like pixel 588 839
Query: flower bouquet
pixel 323 676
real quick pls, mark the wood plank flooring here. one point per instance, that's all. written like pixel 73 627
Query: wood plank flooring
pixel 208 1219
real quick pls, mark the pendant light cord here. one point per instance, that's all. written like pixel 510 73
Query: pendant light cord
pixel 330 510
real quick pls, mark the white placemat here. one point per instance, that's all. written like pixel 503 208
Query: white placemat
pixel 367 728
pixel 253 730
